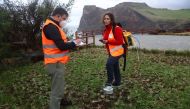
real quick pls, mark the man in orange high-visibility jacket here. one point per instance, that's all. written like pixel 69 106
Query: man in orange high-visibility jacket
pixel 56 48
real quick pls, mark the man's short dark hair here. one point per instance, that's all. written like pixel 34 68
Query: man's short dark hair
pixel 59 11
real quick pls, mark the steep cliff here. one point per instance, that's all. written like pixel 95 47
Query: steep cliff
pixel 137 17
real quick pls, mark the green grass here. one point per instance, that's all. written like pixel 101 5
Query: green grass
pixel 156 81
pixel 163 14
pixel 184 53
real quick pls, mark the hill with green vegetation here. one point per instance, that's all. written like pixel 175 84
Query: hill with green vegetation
pixel 157 14
pixel 138 17
pixel 159 80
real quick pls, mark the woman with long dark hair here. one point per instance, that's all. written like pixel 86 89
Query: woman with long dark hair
pixel 113 40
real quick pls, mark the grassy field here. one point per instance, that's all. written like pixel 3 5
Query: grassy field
pixel 156 81
pixel 177 34
pixel 163 14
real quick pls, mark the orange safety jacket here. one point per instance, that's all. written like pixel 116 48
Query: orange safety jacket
pixel 52 53
pixel 115 50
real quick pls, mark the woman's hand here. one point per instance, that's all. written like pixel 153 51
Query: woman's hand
pixel 103 41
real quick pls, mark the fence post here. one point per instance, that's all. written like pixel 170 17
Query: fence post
pixel 86 39
pixel 76 35
pixel 93 35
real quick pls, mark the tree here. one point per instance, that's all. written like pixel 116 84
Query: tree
pixel 4 25
pixel 26 19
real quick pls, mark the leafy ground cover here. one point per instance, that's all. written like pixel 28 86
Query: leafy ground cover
pixel 155 81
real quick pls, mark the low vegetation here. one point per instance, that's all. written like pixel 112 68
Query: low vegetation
pixel 154 81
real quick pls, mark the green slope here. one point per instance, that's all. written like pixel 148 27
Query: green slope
pixel 157 14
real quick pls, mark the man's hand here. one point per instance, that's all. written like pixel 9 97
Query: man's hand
pixel 77 42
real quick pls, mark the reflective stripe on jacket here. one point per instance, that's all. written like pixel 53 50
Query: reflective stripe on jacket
pixel 52 53
pixel 115 50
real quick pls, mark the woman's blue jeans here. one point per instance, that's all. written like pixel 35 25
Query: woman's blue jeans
pixel 113 71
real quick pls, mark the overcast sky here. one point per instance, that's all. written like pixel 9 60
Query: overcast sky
pixel 77 9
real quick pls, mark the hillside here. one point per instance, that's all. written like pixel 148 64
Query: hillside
pixel 137 17
pixel 157 14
